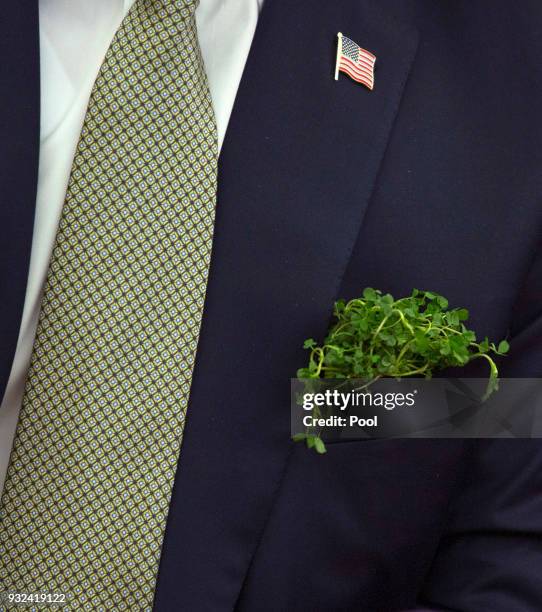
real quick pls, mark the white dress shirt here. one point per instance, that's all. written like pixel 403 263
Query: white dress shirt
pixel 74 37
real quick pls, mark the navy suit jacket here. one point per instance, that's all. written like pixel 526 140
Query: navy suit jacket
pixel 433 180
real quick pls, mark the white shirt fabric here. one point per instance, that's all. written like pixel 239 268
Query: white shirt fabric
pixel 74 37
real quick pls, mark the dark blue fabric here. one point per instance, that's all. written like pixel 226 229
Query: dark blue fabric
pixel 19 149
pixel 433 180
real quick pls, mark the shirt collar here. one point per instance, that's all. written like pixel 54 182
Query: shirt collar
pixel 127 5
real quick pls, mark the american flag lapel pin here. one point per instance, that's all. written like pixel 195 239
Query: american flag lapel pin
pixel 354 61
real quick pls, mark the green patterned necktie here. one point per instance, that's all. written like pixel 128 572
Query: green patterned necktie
pixel 87 492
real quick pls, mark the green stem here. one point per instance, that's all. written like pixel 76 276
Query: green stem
pixel 411 372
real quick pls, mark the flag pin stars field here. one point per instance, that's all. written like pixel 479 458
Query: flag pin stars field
pixel 354 61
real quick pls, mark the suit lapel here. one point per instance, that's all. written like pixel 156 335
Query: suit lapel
pixel 296 173
pixel 19 147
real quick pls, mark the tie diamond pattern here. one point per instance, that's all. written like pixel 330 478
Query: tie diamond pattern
pixel 85 502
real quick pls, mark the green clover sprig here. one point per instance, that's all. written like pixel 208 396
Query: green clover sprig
pixel 376 336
